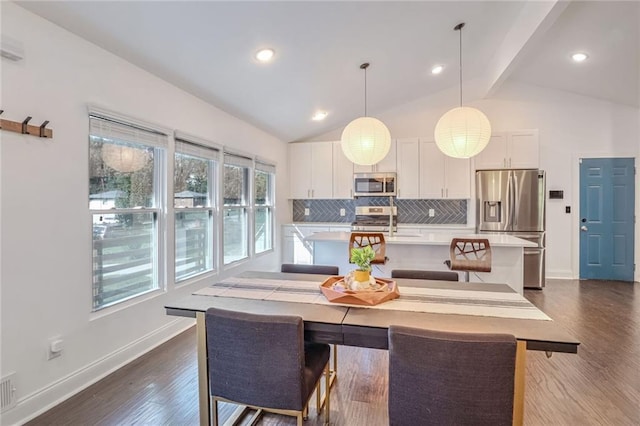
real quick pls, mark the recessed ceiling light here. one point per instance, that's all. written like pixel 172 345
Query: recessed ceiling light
pixel 265 55
pixel 437 69
pixel 320 115
pixel 579 57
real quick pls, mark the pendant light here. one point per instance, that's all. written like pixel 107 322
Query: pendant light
pixel 366 140
pixel 462 132
pixel 125 159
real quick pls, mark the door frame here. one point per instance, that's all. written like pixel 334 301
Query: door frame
pixel 575 208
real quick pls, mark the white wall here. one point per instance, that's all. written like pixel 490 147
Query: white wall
pixel 570 126
pixel 46 226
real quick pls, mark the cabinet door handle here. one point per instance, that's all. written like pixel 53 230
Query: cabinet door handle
pixel 442 192
pixel 447 192
pixel 312 193
pixel 509 161
pixel 504 162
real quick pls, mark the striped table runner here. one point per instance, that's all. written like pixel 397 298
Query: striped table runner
pixel 417 299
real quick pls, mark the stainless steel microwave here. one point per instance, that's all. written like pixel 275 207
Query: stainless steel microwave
pixel 374 184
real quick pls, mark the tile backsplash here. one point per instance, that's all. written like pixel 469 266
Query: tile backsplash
pixel 409 211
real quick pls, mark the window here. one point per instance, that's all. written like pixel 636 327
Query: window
pixel 194 203
pixel 125 190
pixel 264 205
pixel 236 206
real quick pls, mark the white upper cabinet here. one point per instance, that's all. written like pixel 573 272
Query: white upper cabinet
pixel 342 173
pixel 518 149
pixel 523 148
pixel 387 164
pixel 442 176
pixel 408 167
pixel 311 170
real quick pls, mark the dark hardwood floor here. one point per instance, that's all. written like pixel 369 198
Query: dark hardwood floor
pixel 598 386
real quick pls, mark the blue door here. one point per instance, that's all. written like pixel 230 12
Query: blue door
pixel 607 218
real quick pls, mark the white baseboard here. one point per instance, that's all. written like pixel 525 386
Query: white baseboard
pixel 561 274
pixel 40 401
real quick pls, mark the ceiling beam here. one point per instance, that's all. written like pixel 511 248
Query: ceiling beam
pixel 532 23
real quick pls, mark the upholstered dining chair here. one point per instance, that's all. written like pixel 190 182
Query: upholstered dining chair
pixel 446 378
pixel 310 269
pixel 319 270
pixel 373 239
pixel 469 254
pixel 262 361
pixel 416 274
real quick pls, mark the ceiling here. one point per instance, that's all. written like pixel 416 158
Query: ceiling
pixel 207 49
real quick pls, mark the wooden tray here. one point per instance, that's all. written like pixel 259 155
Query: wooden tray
pixel 365 297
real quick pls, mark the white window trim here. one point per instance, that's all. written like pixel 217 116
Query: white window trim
pixel 215 158
pixel 159 208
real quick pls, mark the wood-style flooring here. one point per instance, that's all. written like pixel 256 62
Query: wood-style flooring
pixel 598 386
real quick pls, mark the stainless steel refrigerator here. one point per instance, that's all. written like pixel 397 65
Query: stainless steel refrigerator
pixel 513 202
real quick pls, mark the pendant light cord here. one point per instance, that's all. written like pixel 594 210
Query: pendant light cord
pixel 459 28
pixel 364 67
pixel 461 67
pixel 365 92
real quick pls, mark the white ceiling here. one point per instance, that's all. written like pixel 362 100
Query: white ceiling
pixel 207 48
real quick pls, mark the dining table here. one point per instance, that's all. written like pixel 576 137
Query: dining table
pixel 436 305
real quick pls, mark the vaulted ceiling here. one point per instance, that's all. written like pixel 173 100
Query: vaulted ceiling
pixel 207 48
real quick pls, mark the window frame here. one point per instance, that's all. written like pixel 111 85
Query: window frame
pixel 103 124
pixel 245 207
pixel 262 166
pixel 200 149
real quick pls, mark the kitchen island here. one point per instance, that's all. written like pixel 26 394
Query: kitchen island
pixel 427 252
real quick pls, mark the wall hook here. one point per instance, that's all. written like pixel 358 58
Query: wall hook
pixel 25 126
pixel 43 130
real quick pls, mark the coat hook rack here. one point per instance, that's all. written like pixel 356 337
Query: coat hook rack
pixel 25 128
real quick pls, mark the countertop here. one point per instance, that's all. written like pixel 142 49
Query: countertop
pixel 433 239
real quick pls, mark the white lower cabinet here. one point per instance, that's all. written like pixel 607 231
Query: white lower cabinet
pixel 294 248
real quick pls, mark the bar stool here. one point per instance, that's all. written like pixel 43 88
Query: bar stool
pixel 373 239
pixel 469 254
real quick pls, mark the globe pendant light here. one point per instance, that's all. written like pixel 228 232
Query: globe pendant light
pixel 462 132
pixel 366 140
pixel 123 158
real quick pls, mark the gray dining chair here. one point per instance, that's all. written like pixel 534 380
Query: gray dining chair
pixel 318 270
pixel 263 362
pixel 416 274
pixel 446 378
pixel 310 269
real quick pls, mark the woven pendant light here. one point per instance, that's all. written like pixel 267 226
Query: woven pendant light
pixel 462 132
pixel 366 140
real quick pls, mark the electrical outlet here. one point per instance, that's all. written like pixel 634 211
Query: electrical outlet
pixel 342 212
pixel 306 211
pixel 55 347
pixel 432 212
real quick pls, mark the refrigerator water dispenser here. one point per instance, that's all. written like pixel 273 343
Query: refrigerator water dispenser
pixel 492 211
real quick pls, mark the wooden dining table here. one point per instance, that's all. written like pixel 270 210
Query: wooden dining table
pixel 350 325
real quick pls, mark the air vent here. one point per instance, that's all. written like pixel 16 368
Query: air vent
pixel 8 392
